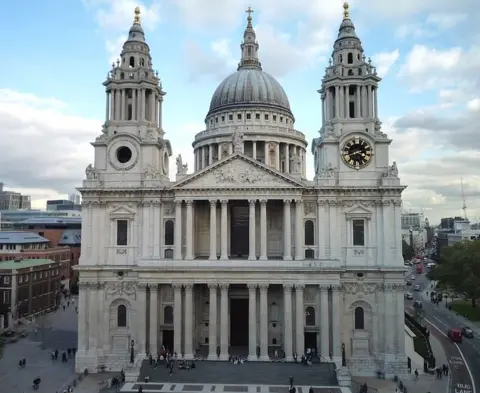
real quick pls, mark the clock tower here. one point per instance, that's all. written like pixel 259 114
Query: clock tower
pixel 351 144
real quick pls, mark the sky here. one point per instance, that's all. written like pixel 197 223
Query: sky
pixel 57 53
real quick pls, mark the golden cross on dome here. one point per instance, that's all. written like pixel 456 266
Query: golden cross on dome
pixel 136 19
pixel 346 12
pixel 249 11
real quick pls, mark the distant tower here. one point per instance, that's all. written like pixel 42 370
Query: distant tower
pixel 464 207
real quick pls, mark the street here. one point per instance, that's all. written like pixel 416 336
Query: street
pixel 439 320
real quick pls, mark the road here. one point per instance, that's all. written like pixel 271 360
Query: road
pixel 443 319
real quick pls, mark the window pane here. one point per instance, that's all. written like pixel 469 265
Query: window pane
pixel 122 232
pixel 358 233
pixel 309 233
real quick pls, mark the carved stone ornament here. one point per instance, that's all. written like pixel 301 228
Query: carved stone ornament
pixel 232 175
pixel 152 173
pixel 309 208
pixel 169 209
pixel 392 171
pixel 237 141
pixel 120 289
pixel 91 173
pixel 327 172
pixel 296 164
pixel 181 167
pixel 353 288
pixel 309 295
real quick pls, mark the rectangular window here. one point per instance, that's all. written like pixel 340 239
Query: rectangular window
pixel 266 117
pixel 6 280
pixel 239 116
pixel 230 117
pixel 122 232
pixel 274 117
pixel 257 116
pixel 6 298
pixel 249 116
pixel 358 232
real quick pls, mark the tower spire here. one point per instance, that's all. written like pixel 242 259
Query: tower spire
pixel 346 11
pixel 136 19
pixel 249 46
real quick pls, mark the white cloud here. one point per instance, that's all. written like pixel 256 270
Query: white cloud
pixel 474 105
pixel 385 60
pixel 433 25
pixel 32 128
pixel 114 48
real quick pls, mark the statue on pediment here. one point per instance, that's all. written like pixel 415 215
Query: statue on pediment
pixel 295 164
pixel 237 141
pixel 392 170
pixel 91 173
pixel 181 167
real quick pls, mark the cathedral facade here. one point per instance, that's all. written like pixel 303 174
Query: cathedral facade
pixel 244 253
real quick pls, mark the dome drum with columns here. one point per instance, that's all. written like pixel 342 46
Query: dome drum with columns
pixel 242 255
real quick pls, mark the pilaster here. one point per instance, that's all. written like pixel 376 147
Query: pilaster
pixel 213 230
pixel 189 231
pixel 325 323
pixel 252 322
pixel 178 230
pixel 299 320
pixel 189 327
pixel 336 325
pixel 299 232
pixel 177 319
pixel 224 321
pixel 141 320
pixel 212 323
pixel 153 319
pixel 263 230
pixel 287 296
pixel 224 230
pixel 264 322
pixel 287 231
pixel 251 231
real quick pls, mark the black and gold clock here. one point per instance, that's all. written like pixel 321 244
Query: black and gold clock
pixel 357 153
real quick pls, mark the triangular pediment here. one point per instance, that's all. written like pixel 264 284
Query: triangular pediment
pixel 122 211
pixel 358 212
pixel 238 171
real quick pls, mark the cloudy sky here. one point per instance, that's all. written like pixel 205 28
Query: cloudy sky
pixel 56 54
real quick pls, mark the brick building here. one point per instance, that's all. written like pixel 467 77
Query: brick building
pixel 60 231
pixel 29 245
pixel 27 287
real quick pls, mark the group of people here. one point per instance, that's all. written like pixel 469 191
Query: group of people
pixel 170 360
pixel 70 352
pixel 441 371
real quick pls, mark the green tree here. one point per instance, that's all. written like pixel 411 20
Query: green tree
pixel 459 269
pixel 407 251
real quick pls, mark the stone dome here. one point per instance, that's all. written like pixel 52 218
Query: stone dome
pixel 249 87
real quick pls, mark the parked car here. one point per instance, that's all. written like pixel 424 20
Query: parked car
pixel 417 304
pixel 412 277
pixel 409 295
pixel 416 287
pixel 467 332
pixel 409 282
pixel 455 335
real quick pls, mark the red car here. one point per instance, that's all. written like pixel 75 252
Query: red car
pixel 455 335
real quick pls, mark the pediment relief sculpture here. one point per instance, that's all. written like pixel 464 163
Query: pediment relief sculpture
pixel 120 289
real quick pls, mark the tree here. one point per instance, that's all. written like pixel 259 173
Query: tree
pixel 407 251
pixel 459 269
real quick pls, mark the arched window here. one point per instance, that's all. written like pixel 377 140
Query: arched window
pixel 168 315
pixel 121 316
pixel 340 58
pixel 309 233
pixel 169 233
pixel 142 62
pixel 359 318
pixel 132 61
pixel 350 72
pixel 310 316
pixel 350 58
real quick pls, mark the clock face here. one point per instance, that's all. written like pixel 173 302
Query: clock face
pixel 357 153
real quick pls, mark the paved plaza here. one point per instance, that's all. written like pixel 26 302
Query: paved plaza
pixel 255 373
pixel 218 388
pixel 54 331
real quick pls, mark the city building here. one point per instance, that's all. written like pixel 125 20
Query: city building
pixel 63 205
pixel 412 221
pixel 11 200
pixel 29 245
pixel 61 232
pixel 75 198
pixel 27 287
pixel 9 218
pixel 245 254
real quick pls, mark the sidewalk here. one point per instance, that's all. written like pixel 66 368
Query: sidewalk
pixel 475 326
pixel 425 382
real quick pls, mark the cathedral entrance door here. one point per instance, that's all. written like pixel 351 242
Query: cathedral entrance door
pixel 239 230
pixel 239 322
pixel 310 340
pixel 168 339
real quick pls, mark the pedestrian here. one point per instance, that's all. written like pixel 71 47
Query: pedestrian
pixel 310 390
pixel 291 381
pixel 446 370
pixel 56 354
pixel 416 373
pixel 69 352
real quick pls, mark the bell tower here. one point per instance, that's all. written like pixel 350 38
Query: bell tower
pixel 350 113
pixel 132 147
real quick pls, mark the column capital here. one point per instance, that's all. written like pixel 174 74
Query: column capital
pixel 322 202
pixel 177 287
pixel 189 202
pixel 224 287
pixel 142 287
pixel 287 287
pixel 336 288
pixel 178 201
pixel 298 201
pixel 263 287
pixel 212 286
pixel 263 202
pixel 252 287
pixel 252 202
pixel 224 202
pixel 324 287
pixel 299 287
pixel 188 287
pixel 287 201
pixel 153 287
pixel 213 202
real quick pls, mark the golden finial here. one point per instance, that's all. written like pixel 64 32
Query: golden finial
pixel 136 19
pixel 346 11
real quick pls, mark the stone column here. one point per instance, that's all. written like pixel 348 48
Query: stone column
pixel 153 319
pixel 287 158
pixel 390 319
pixel 399 292
pixel 122 105
pixel 178 230
pixel 287 231
pixel 210 154
pixel 375 103
pixel 252 256
pixel 224 231
pixel 321 230
pixel 336 328
pixel 288 333
pixel 369 101
pixel 252 322
pixel 277 156
pixel 145 228
pixel 141 320
pixel 264 322
pixel 299 321
pixel 212 321
pixel 134 104
pixel 189 231
pixel 213 230
pixel 93 318
pixel 189 322
pixel 357 102
pixel 254 150
pixel 107 106
pixel 112 104
pixel 337 102
pixel 263 230
pixel 325 323
pixel 299 232
pixel 2 322
pixel 143 104
pixel 177 319
pixel 82 317
pixel 224 321
pixel 265 152
pixel 157 223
